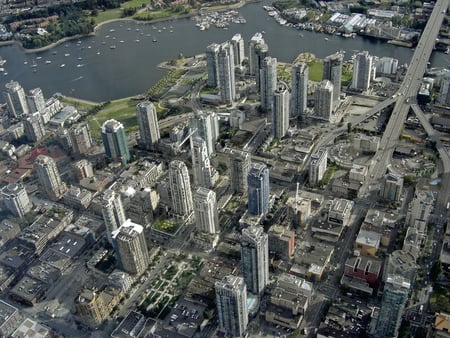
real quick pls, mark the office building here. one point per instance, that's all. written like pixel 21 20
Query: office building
pixel 252 63
pixel 48 176
pixel 36 101
pixel 225 62
pixel 231 302
pixel 239 167
pixel 393 302
pixel 180 189
pixel 258 189
pixel 10 318
pixel 255 259
pixel 34 127
pixel 115 141
pixel 280 111
pixel 201 168
pixel 340 212
pixel 261 52
pixel 147 119
pixel 129 243
pixel 212 53
pixel 83 169
pixel 205 210
pixel 444 92
pixel 238 49
pixel 113 212
pixel 332 71
pixel 206 125
pixel 392 188
pixel 81 139
pixel 362 71
pixel 16 99
pixel 317 166
pixel 299 96
pixel 15 199
pixel 323 100
pixel 268 82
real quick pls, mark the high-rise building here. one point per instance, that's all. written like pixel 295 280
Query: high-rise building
pixel 238 49
pixel 255 259
pixel 16 99
pixel 80 137
pixel 393 302
pixel 268 82
pixel 280 111
pixel 201 168
pixel 258 189
pixel 261 52
pixel 212 52
pixel 391 190
pixel 252 64
pixel 444 92
pixel 225 61
pixel 323 100
pixel 231 302
pixel 129 241
pixel 362 70
pixel 113 212
pixel 332 71
pixel 34 127
pixel 115 141
pixel 90 307
pixel 83 169
pixel 180 189
pixel 148 125
pixel 48 177
pixel 386 65
pixel 239 167
pixel 36 101
pixel 318 166
pixel 205 209
pixel 206 125
pixel 299 97
pixel 15 199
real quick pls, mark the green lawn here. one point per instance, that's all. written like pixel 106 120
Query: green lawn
pixel 135 4
pixel 109 14
pixel 123 110
pixel 315 70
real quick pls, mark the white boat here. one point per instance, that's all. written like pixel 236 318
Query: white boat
pixel 62 65
pixel 79 65
pixel 67 54
pixel 25 62
pixel 39 57
pixel 112 47
pixel 48 62
pixel 98 53
pixel 121 41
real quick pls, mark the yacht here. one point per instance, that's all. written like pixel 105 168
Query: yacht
pixel 62 65
pixel 154 40
pixel 48 62
pixel 112 47
pixel 67 54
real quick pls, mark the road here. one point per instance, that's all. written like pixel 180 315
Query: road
pixel 407 91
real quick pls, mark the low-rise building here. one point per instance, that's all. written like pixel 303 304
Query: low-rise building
pixel 77 198
pixel 340 211
pixel 364 143
pixel 402 263
pixel 31 328
pixel 289 301
pixel 367 242
pixel 281 241
pixel 10 318
pixel 130 326
pixel 358 173
pixel 363 268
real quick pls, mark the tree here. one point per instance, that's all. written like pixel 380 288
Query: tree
pixel 435 271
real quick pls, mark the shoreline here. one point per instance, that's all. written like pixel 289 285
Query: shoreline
pixel 239 4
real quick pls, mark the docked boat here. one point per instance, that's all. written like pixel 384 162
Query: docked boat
pixel 48 62
pixel 112 47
